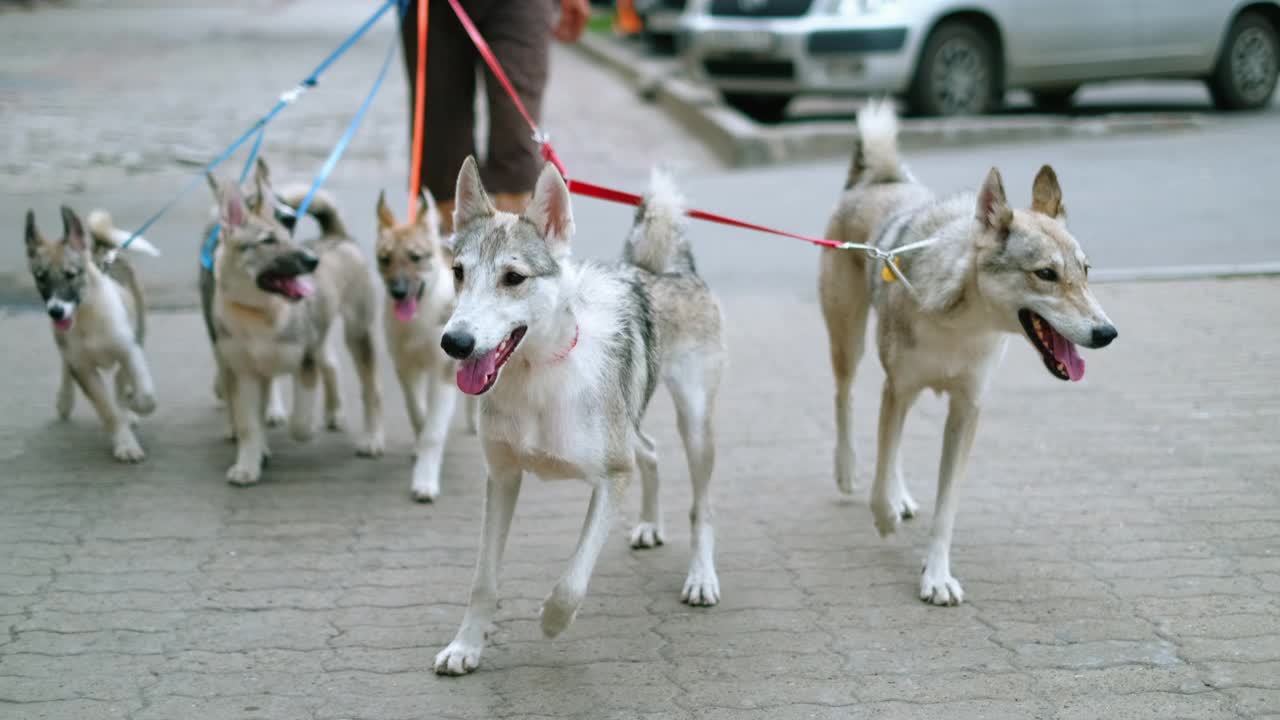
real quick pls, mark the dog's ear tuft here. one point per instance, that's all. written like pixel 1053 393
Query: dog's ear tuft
pixel 231 209
pixel 1046 194
pixel 73 230
pixel 993 209
pixel 386 218
pixel 471 202
pixel 31 233
pixel 261 171
pixel 550 211
pixel 428 211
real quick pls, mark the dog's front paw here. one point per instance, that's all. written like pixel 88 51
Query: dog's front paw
pixel 127 448
pixel 701 588
pixel 142 403
pixel 66 401
pixel 333 422
pixel 646 535
pixel 887 516
pixel 938 587
pixel 425 493
pixel 846 482
pixel 558 611
pixel 458 659
pixel 276 417
pixel 243 475
pixel 372 446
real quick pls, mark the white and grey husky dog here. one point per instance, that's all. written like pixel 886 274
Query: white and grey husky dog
pixel 990 271
pixel 568 355
pixel 99 321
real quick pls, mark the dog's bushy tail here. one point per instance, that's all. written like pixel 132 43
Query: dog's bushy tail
pixel 657 242
pixel 875 153
pixel 323 207
pixel 106 236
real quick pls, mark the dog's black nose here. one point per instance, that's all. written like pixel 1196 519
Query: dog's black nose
pixel 398 289
pixel 309 261
pixel 1103 335
pixel 458 344
pixel 57 311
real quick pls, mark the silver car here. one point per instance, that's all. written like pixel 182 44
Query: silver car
pixel 955 57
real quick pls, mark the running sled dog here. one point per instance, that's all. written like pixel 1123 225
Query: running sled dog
pixel 987 271
pixel 99 315
pixel 567 356
pixel 274 303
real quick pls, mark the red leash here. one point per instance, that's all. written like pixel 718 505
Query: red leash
pixel 579 187
pixel 419 103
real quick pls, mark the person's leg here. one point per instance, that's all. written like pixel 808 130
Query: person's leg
pixel 520 35
pixel 449 126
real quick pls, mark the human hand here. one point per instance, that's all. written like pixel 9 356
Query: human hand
pixel 573 19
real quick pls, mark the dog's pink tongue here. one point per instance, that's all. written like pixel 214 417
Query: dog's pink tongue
pixel 299 286
pixel 65 323
pixel 405 309
pixel 474 374
pixel 1064 351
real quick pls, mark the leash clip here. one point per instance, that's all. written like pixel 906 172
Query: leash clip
pixel 289 96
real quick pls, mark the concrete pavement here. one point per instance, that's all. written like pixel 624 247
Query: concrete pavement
pixel 1117 541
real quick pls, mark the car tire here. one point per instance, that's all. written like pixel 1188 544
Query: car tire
pixel 957 74
pixel 1245 76
pixel 768 109
pixel 1055 100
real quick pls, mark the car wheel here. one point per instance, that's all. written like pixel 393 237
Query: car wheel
pixel 957 73
pixel 1056 100
pixel 761 108
pixel 1245 76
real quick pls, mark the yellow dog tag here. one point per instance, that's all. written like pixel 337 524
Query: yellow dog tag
pixel 886 274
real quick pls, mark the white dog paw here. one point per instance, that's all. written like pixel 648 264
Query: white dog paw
pixel 276 417
pixel 701 588
pixel 458 659
pixel 887 515
pixel 66 401
pixel 333 422
pixel 558 611
pixel 128 450
pixel 372 446
pixel 646 535
pixel 243 475
pixel 425 493
pixel 142 403
pixel 846 482
pixel 940 588
pixel 131 417
pixel 907 507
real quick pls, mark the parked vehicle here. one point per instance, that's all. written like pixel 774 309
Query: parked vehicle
pixel 958 57
pixel 661 21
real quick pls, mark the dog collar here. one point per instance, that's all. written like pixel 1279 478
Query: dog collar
pixel 560 356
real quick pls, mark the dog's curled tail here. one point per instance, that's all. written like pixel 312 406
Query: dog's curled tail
pixel 875 153
pixel 109 237
pixel 323 208
pixel 657 242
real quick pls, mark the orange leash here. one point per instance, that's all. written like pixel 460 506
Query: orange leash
pixel 419 102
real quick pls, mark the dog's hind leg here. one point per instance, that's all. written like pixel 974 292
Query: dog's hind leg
pixel 441 399
pixel 124 396
pixel 648 532
pixel 125 444
pixel 842 287
pixel 693 381
pixel 360 343
pixel 277 414
pixel 502 490
pixel 142 390
pixel 332 392
pixel 66 393
pixel 562 604
pixel 306 382
pixel 937 585
pixel 888 497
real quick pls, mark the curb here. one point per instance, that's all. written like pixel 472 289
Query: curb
pixel 740 142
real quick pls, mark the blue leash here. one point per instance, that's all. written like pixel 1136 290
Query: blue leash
pixel 285 100
pixel 350 132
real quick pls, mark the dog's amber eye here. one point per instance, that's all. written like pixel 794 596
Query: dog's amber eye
pixel 1047 274
pixel 457 273
pixel 415 258
pixel 512 279
pixel 384 260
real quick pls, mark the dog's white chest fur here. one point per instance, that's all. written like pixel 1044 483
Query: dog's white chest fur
pixel 550 436
pixel 103 328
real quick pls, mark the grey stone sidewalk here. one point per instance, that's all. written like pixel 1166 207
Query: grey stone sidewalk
pixel 1119 541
